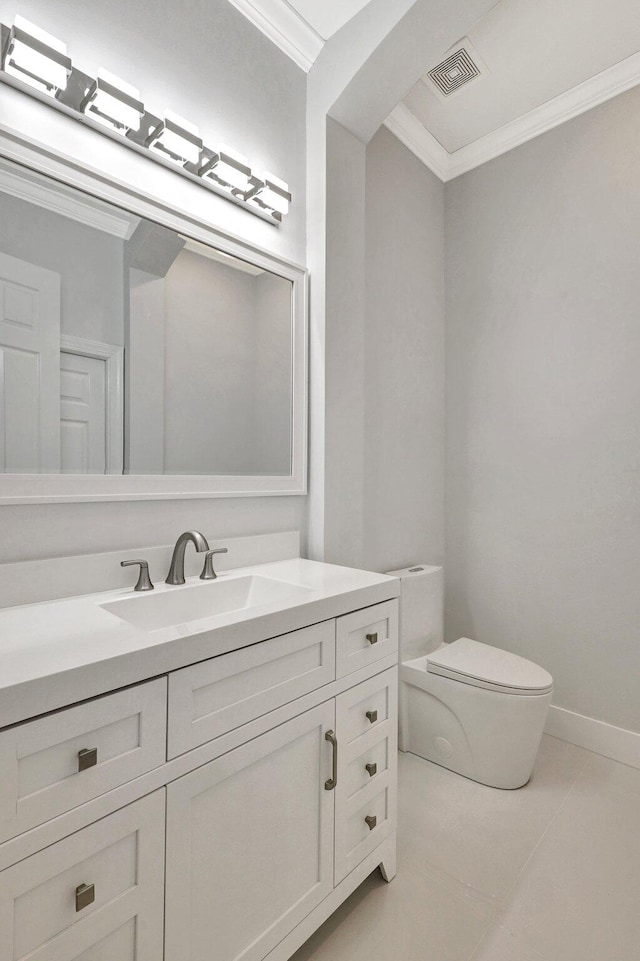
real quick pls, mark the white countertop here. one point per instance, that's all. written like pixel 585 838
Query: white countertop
pixel 59 652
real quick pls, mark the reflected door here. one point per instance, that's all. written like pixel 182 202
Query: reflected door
pixel 83 414
pixel 29 367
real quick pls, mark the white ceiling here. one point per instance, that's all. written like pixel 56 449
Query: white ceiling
pixel 327 16
pixel 534 50
pixel 547 61
pixel 300 27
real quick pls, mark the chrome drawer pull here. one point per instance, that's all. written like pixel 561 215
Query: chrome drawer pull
pixel 331 782
pixel 372 638
pixel 371 820
pixel 371 769
pixel 85 895
pixel 87 757
pixel 373 716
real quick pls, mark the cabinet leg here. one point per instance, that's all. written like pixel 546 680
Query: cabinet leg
pixel 388 863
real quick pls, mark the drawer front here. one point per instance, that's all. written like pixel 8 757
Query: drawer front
pixel 97 895
pixel 375 758
pixel 211 698
pixel 367 769
pixel 367 708
pixel 363 829
pixel 60 761
pixel 365 636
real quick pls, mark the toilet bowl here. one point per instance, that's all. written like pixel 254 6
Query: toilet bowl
pixel 467 706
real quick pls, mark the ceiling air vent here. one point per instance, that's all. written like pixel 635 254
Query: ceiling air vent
pixel 461 66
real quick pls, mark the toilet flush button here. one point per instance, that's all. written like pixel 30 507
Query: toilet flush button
pixel 442 747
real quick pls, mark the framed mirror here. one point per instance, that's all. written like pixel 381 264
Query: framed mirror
pixel 142 354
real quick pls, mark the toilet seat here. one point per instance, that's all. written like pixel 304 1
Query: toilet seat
pixel 481 665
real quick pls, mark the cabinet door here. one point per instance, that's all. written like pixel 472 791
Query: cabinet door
pixel 95 896
pixel 250 843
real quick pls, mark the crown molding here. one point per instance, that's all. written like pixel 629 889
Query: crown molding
pixel 285 28
pixel 60 200
pixel 593 92
pixel 408 129
pixel 604 86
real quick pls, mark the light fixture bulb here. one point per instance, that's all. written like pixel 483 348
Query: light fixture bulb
pixel 35 57
pixel 177 139
pixel 114 103
pixel 274 194
pixel 232 168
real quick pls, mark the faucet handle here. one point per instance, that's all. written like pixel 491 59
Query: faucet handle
pixel 144 581
pixel 208 573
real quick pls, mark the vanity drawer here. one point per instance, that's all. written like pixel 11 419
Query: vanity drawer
pixel 98 895
pixel 365 636
pixel 64 759
pixel 376 757
pixel 211 698
pixel 363 791
pixel 363 826
pixel 368 707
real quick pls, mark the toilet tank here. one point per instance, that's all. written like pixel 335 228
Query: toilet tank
pixel 421 610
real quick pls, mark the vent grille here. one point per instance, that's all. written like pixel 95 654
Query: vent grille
pixel 454 72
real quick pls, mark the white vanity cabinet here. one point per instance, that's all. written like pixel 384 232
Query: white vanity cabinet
pixel 240 800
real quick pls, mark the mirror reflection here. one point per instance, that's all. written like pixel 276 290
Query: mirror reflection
pixel 126 347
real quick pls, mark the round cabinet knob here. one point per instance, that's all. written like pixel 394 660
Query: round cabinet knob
pixel 371 820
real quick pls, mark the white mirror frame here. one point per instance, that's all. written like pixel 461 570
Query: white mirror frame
pixel 70 488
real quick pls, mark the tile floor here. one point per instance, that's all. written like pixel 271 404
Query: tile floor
pixel 547 873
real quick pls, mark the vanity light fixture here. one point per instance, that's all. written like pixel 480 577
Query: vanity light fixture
pixel 37 63
pixel 177 139
pixel 229 167
pixel 114 103
pixel 35 57
pixel 273 194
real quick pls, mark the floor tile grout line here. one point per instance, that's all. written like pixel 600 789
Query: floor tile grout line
pixel 501 902
pixel 547 829
pixel 496 899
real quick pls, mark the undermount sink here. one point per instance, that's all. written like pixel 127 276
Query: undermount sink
pixel 196 602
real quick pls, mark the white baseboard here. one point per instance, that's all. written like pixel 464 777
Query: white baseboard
pixel 597 736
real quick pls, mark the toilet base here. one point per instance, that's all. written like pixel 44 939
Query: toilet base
pixel 488 736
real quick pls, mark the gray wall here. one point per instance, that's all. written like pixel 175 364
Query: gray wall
pixel 208 63
pixel 543 407
pixel 404 359
pixel 90 264
pixel 272 374
pixel 208 369
pixel 384 348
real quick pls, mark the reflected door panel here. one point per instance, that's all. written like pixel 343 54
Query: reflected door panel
pixel 29 367
pixel 83 414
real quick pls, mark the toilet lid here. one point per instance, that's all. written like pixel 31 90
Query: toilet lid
pixel 480 665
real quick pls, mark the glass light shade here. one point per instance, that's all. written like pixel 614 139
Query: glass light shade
pixel 177 139
pixel 36 58
pixel 275 194
pixel 233 168
pixel 114 103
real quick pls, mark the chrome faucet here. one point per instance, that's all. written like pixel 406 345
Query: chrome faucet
pixel 176 571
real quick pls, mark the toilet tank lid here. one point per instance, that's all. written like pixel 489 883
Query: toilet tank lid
pixel 470 662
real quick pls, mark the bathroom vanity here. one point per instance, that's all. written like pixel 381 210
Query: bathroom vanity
pixel 211 788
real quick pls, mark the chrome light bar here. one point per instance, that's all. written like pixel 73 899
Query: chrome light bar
pixel 37 63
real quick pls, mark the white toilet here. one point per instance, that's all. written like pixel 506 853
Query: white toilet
pixel 469 707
